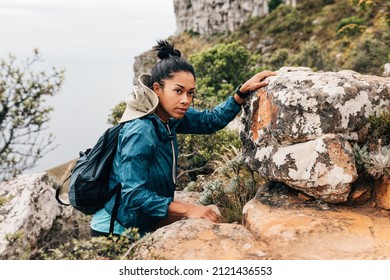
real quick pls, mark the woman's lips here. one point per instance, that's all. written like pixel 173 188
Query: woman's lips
pixel 181 110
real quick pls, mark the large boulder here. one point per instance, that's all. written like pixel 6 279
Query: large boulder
pixel 199 239
pixel 300 128
pixel 277 225
pixel 28 214
pixel 298 229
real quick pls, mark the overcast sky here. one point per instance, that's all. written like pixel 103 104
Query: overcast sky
pixel 95 41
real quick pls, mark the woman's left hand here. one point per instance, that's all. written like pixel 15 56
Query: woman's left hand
pixel 257 81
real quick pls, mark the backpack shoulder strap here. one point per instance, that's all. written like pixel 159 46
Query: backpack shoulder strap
pixel 58 193
pixel 117 190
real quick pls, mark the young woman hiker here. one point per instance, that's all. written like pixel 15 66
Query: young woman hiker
pixel 146 159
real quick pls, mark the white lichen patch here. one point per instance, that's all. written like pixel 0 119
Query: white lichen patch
pixel 321 146
pixel 336 176
pixel 263 153
pixel 353 107
pixel 302 156
pixel 289 97
pixel 279 158
pixel 311 124
pixel 333 93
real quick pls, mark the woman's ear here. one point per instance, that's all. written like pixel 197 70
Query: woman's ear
pixel 157 89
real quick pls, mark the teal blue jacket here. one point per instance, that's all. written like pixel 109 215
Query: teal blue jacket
pixel 146 162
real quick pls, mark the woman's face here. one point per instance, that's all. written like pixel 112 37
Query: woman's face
pixel 176 95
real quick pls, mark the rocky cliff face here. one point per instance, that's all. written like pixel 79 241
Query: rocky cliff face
pixel 214 16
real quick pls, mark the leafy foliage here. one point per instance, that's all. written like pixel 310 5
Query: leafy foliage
pixel 277 59
pixel 380 7
pixel 367 56
pixel 273 4
pixel 381 123
pixel 108 248
pixel 23 113
pixel 350 26
pixel 197 152
pixel 324 35
pixel 374 156
pixel 220 69
pixel 310 55
pixel 236 185
pixel 116 113
pixel 284 19
pixel 376 163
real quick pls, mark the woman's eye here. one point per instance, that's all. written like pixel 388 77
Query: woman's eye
pixel 178 91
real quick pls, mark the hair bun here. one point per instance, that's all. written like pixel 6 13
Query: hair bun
pixel 165 50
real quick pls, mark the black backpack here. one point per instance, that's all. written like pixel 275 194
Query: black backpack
pixel 88 185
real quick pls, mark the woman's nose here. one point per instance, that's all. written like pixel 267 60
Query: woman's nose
pixel 184 99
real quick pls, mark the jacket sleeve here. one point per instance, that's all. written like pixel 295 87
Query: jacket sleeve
pixel 137 145
pixel 207 122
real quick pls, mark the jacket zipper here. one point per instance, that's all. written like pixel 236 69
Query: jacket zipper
pixel 173 158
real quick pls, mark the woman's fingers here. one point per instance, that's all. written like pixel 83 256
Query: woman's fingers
pixel 203 212
pixel 257 81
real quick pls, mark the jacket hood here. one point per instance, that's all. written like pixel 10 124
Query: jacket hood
pixel 141 101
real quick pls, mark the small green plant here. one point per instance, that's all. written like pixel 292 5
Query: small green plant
pixel 21 250
pixel 197 152
pixel 376 163
pixel 277 59
pixel 273 4
pixel 373 158
pixel 5 199
pixel 368 55
pixel 380 7
pixel 110 248
pixel 284 19
pixel 381 123
pixel 220 69
pixel 212 193
pixel 116 113
pixel 231 194
pixel 311 55
pixel 13 238
pixel 350 26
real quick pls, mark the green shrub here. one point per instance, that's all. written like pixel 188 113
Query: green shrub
pixel 220 69
pixel 368 55
pixel 284 19
pixel 381 124
pixel 5 199
pixel 197 152
pixel 311 55
pixel 277 59
pixel 375 162
pixel 273 4
pixel 379 8
pixel 235 187
pixel 116 113
pixel 111 248
pixel 350 26
pixel 374 157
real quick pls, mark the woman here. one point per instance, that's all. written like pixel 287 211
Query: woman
pixel 146 159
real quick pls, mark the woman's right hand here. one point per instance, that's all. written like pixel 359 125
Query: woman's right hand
pixel 199 211
pixel 192 211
